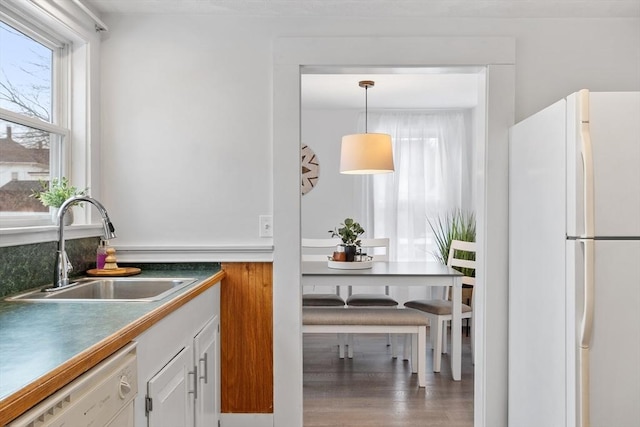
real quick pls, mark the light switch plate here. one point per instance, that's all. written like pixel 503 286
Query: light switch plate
pixel 266 226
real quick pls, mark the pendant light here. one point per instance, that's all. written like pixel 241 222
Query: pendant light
pixel 366 153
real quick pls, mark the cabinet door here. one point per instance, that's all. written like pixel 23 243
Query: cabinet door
pixel 171 404
pixel 207 360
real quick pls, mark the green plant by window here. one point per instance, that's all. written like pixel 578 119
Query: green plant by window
pixel 56 192
pixel 456 225
pixel 348 232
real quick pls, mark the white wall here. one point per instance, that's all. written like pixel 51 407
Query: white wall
pixel 187 114
pixel 334 198
pixel 186 148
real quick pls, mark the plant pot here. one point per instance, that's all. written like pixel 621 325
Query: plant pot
pixel 68 216
pixel 351 252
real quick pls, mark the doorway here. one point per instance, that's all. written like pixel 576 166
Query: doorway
pixel 497 54
pixel 331 101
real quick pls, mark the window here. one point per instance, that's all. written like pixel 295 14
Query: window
pixel 432 156
pixel 48 98
pixel 26 80
pixel 31 106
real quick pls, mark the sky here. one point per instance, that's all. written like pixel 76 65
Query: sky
pixel 25 63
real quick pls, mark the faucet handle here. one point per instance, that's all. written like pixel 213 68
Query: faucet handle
pixel 67 264
pixel 61 270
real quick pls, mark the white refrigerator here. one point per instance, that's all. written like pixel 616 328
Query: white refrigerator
pixel 574 263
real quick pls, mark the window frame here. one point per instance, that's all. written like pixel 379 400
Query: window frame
pixel 74 40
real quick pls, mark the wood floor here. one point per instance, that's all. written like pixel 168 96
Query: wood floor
pixel 373 389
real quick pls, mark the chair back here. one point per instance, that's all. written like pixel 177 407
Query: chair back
pixel 456 259
pixel 377 248
pixel 459 260
pixel 318 249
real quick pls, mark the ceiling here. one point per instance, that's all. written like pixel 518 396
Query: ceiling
pixel 430 88
pixel 379 8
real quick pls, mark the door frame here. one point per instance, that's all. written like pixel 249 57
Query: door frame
pixel 497 54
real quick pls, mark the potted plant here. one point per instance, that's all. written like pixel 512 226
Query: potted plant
pixel 456 225
pixel 349 232
pixel 53 194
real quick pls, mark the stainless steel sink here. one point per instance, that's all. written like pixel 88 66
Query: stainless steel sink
pixel 109 289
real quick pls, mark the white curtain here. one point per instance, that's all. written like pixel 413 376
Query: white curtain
pixel 433 167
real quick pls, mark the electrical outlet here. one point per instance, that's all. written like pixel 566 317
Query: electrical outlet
pixel 266 226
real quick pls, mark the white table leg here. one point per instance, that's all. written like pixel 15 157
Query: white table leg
pixel 456 332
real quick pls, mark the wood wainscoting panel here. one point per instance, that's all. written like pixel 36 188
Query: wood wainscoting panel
pixel 246 337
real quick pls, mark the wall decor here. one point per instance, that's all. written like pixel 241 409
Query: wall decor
pixel 310 169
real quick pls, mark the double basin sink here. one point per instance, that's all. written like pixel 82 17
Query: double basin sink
pixel 116 289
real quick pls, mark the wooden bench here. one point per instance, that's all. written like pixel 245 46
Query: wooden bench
pixel 372 321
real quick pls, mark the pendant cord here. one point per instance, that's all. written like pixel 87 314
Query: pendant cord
pixel 366 108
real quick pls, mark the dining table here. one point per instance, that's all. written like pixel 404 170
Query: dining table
pixel 397 273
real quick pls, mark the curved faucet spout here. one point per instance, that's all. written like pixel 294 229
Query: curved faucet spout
pixel 62 265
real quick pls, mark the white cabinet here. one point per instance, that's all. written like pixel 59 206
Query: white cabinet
pixel 168 401
pixel 207 367
pixel 179 364
pixel 185 391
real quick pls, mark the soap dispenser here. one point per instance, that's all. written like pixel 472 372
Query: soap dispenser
pixel 101 254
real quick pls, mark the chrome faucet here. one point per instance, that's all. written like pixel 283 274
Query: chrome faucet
pixel 63 265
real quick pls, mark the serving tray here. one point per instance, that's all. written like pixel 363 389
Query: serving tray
pixel 355 265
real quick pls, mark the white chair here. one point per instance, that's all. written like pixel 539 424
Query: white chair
pixel 371 247
pixel 439 311
pixel 378 249
pixel 318 250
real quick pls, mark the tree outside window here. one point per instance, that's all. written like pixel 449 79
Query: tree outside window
pixel 26 99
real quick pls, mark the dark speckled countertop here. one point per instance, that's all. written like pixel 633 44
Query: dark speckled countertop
pixel 35 338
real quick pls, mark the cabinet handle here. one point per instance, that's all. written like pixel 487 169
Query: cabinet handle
pixel 195 382
pixel 204 375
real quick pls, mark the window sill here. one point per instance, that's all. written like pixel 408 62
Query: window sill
pixel 28 235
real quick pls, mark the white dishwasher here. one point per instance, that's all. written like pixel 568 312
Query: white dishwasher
pixel 101 397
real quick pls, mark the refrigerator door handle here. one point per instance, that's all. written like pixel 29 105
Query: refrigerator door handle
pixel 586 329
pixel 586 151
pixel 586 326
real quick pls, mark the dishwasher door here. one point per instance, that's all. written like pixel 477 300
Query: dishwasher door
pixel 101 397
pixel 124 418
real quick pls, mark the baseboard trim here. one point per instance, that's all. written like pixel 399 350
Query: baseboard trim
pixel 246 420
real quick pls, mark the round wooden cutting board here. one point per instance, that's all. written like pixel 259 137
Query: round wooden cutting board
pixel 123 271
